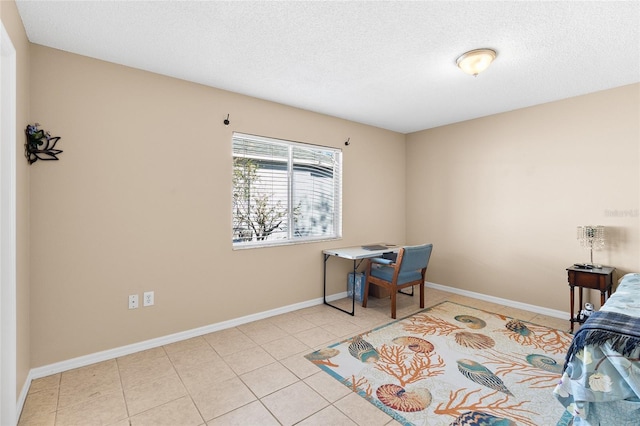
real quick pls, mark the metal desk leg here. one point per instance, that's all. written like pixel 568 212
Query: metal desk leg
pixel 353 293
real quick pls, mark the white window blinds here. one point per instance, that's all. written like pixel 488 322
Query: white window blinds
pixel 284 191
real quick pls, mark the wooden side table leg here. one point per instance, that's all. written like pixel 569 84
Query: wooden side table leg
pixel 580 299
pixel 602 298
pixel 572 296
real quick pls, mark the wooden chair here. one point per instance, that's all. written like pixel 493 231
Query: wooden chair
pixel 409 269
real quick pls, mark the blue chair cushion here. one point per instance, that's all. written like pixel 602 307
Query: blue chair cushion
pixel 386 273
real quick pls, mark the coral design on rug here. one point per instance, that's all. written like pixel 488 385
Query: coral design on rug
pixel 454 365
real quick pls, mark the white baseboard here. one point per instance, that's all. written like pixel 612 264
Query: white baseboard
pixel 82 361
pixel 506 302
pixel 85 360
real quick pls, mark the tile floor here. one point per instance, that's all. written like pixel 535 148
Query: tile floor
pixel 254 374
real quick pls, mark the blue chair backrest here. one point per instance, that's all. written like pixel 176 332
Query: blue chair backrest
pixel 416 257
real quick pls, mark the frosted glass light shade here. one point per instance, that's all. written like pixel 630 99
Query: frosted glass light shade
pixel 476 61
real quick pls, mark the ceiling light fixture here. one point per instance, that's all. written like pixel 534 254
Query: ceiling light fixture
pixel 475 61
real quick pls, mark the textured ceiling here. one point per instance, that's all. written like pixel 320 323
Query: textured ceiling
pixel 387 64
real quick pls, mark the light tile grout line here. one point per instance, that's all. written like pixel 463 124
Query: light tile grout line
pixel 183 385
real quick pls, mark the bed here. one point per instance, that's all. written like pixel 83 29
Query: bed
pixel 600 384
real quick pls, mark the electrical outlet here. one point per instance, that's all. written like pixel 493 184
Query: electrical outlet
pixel 148 298
pixel 133 301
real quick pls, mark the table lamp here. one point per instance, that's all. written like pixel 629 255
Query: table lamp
pixel 591 237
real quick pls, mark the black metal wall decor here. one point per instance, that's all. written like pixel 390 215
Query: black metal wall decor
pixel 40 145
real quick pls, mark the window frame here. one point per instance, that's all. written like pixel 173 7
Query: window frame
pixel 291 239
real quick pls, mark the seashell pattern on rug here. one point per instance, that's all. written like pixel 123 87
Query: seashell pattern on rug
pixel 452 364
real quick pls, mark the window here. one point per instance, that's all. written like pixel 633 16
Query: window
pixel 284 192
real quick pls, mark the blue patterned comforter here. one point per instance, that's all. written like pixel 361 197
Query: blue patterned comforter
pixel 601 381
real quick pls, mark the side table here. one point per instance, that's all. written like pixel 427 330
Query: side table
pixel 596 279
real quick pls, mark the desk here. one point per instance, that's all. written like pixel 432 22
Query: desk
pixel 596 279
pixel 353 253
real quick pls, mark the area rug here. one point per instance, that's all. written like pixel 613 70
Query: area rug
pixel 454 365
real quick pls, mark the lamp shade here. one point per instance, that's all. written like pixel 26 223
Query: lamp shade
pixel 592 238
pixel 476 61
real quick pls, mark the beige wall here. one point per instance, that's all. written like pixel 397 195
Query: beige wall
pixel 141 200
pixel 13 24
pixel 501 196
